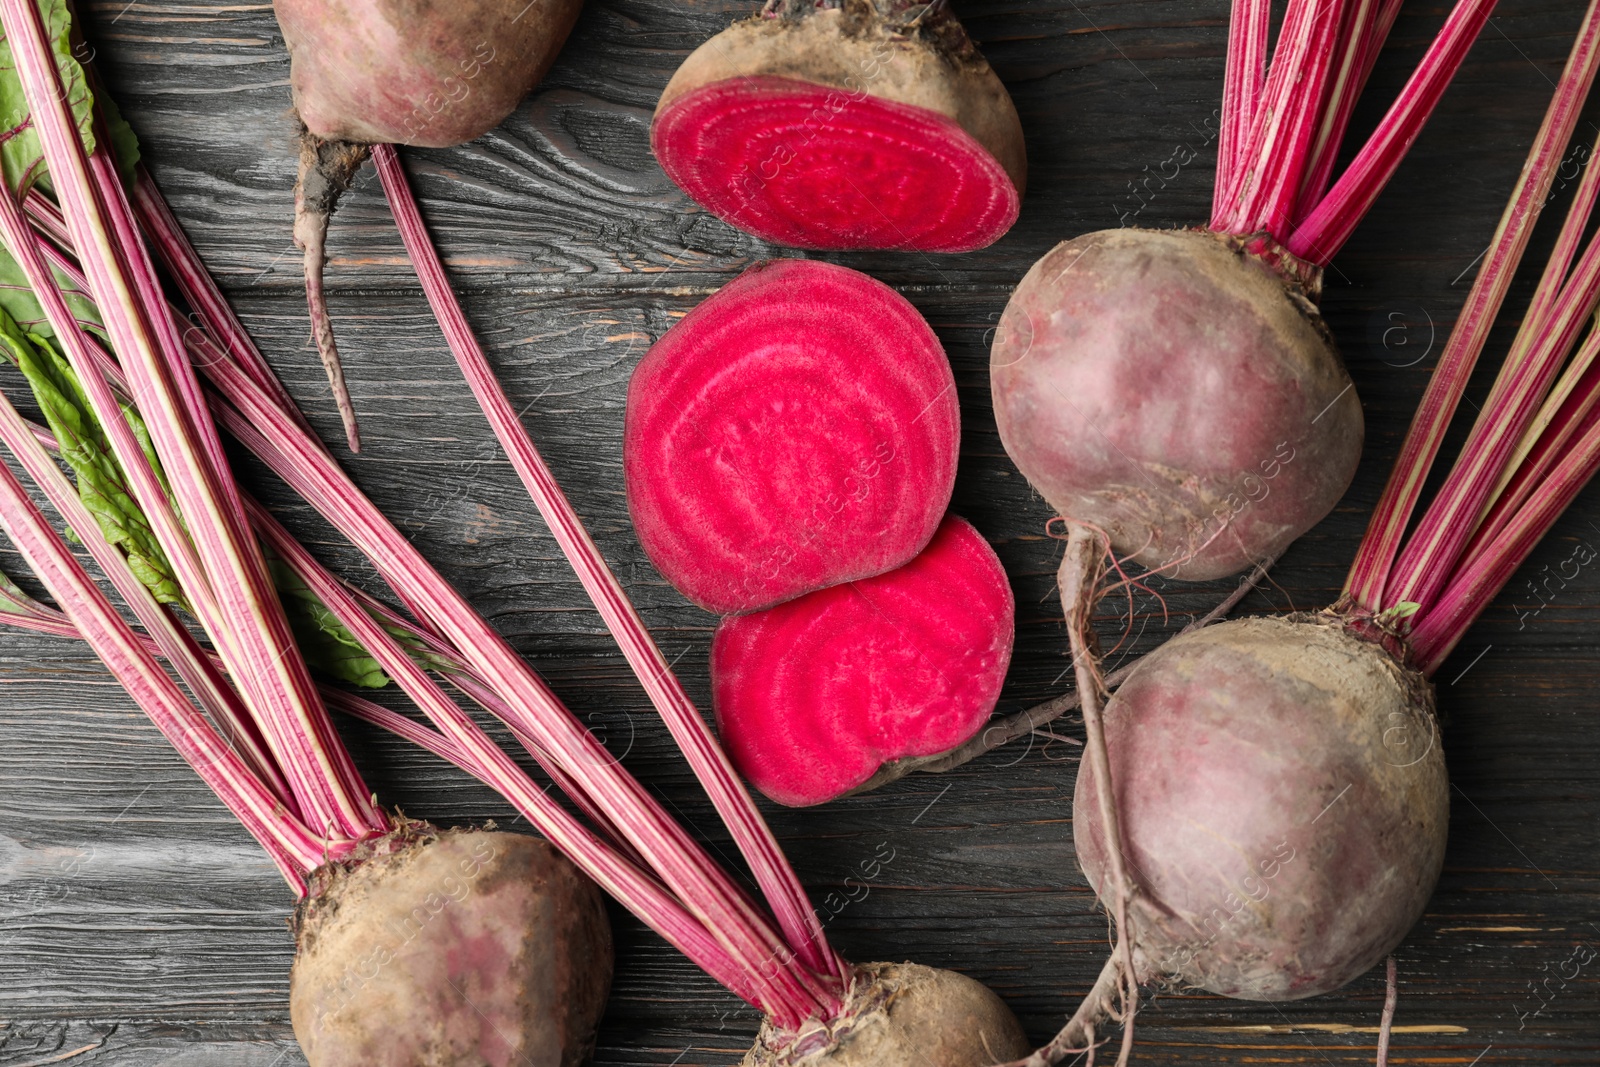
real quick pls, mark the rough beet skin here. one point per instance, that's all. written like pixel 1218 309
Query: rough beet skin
pixel 814 696
pixel 450 949
pixel 854 125
pixel 902 1015
pixel 1284 805
pixel 797 430
pixel 432 73
pixel 1178 393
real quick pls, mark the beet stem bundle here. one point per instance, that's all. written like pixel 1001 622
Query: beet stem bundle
pixel 1384 572
pixel 219 566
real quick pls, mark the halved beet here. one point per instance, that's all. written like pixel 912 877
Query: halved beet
pixel 797 430
pixel 877 127
pixel 812 697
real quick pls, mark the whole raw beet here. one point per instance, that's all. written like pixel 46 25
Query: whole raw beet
pixel 902 1015
pixel 1284 804
pixel 453 949
pixel 1175 391
pixel 433 73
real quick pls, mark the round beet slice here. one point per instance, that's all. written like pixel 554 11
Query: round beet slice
pixel 797 430
pixel 883 128
pixel 812 697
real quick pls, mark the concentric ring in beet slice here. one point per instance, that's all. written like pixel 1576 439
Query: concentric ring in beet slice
pixel 796 430
pixel 812 697
pixel 810 166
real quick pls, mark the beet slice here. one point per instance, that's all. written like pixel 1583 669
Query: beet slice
pixel 813 696
pixel 797 430
pixel 877 127
pixel 878 174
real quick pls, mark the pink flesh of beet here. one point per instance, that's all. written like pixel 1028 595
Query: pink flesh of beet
pixel 797 430
pixel 813 696
pixel 871 173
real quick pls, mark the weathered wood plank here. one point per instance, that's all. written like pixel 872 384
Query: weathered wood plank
pixel 139 926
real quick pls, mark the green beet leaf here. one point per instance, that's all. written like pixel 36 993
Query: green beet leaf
pixel 102 484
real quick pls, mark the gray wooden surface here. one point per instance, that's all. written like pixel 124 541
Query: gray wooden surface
pixel 139 925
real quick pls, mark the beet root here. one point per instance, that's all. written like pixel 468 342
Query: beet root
pixel 1283 804
pixel 902 1015
pixel 814 696
pixel 326 170
pixel 797 430
pixel 450 948
pixel 1178 393
pixel 428 73
pixel 869 124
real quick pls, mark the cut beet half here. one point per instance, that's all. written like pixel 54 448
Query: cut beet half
pixel 797 430
pixel 812 697
pixel 813 166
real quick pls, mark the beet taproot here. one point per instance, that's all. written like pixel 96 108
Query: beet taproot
pixel 1177 392
pixel 1284 804
pixel 866 124
pixel 814 696
pixel 901 1015
pixel 797 430
pixel 439 949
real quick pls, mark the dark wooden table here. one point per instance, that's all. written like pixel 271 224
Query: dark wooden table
pixel 140 926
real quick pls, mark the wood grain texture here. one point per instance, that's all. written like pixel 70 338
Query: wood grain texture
pixel 139 925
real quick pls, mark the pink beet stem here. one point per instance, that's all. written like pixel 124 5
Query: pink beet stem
pixel 1263 191
pixel 1366 26
pixel 1368 583
pixel 1248 29
pixel 636 889
pixel 780 886
pixel 1556 273
pixel 34 617
pixel 310 571
pixel 87 361
pixel 1321 234
pixel 673 923
pixel 1429 557
pixel 292 846
pixel 1474 585
pixel 200 290
pixel 30 614
pixel 203 344
pixel 254 639
pixel 1565 416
